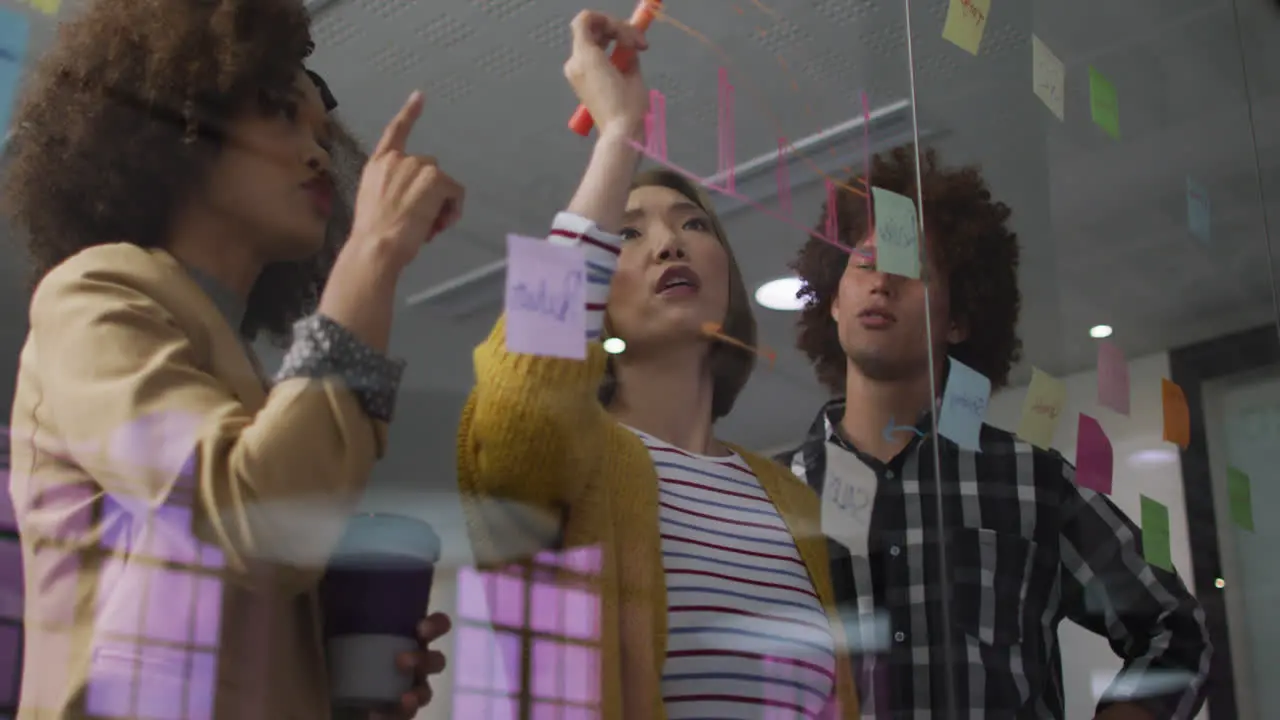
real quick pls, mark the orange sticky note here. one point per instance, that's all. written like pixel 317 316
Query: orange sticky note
pixel 1177 418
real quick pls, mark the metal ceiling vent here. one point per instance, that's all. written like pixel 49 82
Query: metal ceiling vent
pixel 483 289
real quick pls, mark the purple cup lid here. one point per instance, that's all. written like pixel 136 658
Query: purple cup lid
pixel 382 539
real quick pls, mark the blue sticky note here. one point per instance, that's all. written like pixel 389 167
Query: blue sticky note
pixel 1199 218
pixel 964 405
pixel 897 244
pixel 13 51
pixel 546 299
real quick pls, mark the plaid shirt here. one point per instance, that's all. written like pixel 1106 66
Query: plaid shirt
pixel 1025 548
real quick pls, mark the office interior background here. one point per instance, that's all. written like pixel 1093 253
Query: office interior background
pixel 1137 143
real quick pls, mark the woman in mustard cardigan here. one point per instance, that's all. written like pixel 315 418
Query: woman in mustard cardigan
pixel 715 598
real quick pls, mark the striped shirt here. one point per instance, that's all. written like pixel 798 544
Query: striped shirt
pixel 748 638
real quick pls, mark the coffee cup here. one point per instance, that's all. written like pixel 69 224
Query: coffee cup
pixel 373 595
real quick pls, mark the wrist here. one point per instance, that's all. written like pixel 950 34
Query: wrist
pixel 622 132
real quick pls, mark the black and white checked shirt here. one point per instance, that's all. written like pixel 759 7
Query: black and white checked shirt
pixel 1025 548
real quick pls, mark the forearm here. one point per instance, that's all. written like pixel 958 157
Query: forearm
pixel 361 293
pixel 602 195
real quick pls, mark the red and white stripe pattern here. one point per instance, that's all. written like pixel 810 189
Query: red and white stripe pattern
pixel 748 637
pixel 600 249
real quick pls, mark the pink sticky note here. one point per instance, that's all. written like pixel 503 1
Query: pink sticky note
pixel 546 299
pixel 655 125
pixel 726 132
pixel 1093 456
pixel 1113 378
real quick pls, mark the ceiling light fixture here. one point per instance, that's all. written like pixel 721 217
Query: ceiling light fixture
pixel 1100 331
pixel 780 294
pixel 614 345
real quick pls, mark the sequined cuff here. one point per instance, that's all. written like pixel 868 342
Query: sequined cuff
pixel 323 348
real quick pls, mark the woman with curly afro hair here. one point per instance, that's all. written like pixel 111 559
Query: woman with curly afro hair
pixel 968 551
pixel 180 184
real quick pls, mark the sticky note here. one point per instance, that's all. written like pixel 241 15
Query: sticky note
pixel 966 21
pixel 1155 534
pixel 1177 418
pixel 1041 409
pixel 1104 105
pixel 48 7
pixel 1048 76
pixel 897 239
pixel 13 51
pixel 964 405
pixel 1199 218
pixel 1113 378
pixel 1094 458
pixel 546 299
pixel 1240 498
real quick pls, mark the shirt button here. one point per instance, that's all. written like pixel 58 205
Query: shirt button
pixel 888 474
pixel 899 636
pixel 894 550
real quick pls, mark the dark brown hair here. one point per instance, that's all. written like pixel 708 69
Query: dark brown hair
pixel 119 122
pixel 731 366
pixel 971 244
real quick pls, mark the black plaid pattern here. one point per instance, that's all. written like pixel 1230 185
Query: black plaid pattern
pixel 1025 549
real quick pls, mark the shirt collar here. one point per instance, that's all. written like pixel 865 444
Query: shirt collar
pixel 228 303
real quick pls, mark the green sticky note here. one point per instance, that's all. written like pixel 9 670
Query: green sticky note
pixel 1155 534
pixel 1104 104
pixel 897 242
pixel 1240 497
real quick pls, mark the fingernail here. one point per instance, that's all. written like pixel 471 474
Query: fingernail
pixel 415 96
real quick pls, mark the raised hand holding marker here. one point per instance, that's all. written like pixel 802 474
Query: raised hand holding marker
pixel 623 58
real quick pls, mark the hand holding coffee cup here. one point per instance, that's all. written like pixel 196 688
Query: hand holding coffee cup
pixel 374 596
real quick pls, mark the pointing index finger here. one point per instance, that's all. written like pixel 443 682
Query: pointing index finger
pixel 396 136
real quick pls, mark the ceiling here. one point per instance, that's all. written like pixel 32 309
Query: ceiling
pixel 1102 222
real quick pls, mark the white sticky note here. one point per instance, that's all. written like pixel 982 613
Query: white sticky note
pixel 964 405
pixel 1048 76
pixel 897 243
pixel 848 493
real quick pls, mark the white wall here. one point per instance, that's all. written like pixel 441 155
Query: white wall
pixel 1144 465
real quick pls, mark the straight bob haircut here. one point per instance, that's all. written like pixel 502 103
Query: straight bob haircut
pixel 731 366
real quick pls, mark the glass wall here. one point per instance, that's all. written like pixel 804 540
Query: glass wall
pixel 1013 272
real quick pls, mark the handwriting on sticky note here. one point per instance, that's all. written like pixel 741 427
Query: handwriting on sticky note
pixel 1094 457
pixel 897 244
pixel 964 405
pixel 1155 534
pixel 1041 409
pixel 1104 104
pixel 1113 378
pixel 966 21
pixel 1048 76
pixel 1199 215
pixel 1177 417
pixel 1240 498
pixel 545 299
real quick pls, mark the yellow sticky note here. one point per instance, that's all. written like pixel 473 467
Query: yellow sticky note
pixel 966 20
pixel 1048 76
pixel 1041 409
pixel 48 7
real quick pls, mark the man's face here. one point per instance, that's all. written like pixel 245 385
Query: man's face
pixel 882 317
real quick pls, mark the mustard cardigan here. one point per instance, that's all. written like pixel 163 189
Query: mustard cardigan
pixel 540 461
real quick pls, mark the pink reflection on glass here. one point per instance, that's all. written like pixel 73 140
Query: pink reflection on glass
pixel 546 669
pixel 581 614
pixel 579 713
pixel 471 661
pixel 546 711
pixel 546 608
pixel 506 663
pixel 508 596
pixel 201 686
pixel 162 683
pixel 170 599
pixel 112 673
pixel 581 674
pixel 585 560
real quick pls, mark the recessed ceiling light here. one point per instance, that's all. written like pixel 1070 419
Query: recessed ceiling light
pixel 1100 331
pixel 780 294
pixel 614 345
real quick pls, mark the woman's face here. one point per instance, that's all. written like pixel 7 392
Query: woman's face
pixel 271 181
pixel 673 273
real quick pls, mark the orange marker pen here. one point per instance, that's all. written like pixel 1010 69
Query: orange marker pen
pixel 622 58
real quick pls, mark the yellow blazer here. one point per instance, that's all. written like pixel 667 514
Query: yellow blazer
pixel 174 514
pixel 534 443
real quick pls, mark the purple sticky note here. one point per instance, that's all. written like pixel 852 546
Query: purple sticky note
pixel 1093 456
pixel 1113 378
pixel 546 299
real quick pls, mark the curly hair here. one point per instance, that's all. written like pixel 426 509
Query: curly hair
pixel 119 122
pixel 972 247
